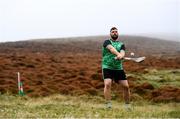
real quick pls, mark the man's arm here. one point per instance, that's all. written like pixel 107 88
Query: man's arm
pixel 119 55
pixel 122 53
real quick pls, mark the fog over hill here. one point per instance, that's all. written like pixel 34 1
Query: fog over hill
pixel 163 36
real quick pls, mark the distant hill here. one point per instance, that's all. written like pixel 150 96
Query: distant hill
pixel 137 44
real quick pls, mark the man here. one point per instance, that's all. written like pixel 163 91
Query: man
pixel 113 52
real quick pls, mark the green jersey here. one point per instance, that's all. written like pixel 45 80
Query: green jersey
pixel 108 60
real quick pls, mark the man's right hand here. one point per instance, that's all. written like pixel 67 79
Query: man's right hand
pixel 119 56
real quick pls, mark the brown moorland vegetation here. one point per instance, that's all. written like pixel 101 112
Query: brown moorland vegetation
pixel 73 66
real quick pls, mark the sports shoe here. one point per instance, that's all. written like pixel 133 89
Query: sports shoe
pixel 128 107
pixel 108 105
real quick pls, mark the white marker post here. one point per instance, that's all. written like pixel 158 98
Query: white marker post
pixel 20 86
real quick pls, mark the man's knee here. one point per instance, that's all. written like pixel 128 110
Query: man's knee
pixel 107 84
pixel 126 87
pixel 125 84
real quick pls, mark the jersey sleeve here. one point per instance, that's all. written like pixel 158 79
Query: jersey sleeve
pixel 106 43
pixel 123 47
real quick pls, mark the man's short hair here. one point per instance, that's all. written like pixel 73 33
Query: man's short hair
pixel 113 28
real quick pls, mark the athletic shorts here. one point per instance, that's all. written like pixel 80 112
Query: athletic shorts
pixel 115 75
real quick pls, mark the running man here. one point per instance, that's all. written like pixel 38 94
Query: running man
pixel 113 52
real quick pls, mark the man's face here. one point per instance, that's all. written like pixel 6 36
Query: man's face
pixel 114 34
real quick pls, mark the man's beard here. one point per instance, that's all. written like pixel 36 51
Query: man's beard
pixel 114 37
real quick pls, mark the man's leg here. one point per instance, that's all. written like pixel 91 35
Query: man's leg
pixel 107 89
pixel 126 94
pixel 107 92
pixel 126 90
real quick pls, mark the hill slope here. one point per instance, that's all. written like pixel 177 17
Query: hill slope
pixel 73 65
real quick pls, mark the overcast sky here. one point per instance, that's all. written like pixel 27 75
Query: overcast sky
pixel 27 19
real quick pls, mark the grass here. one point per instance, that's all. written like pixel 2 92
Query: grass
pixel 159 78
pixel 61 106
pixel 85 106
